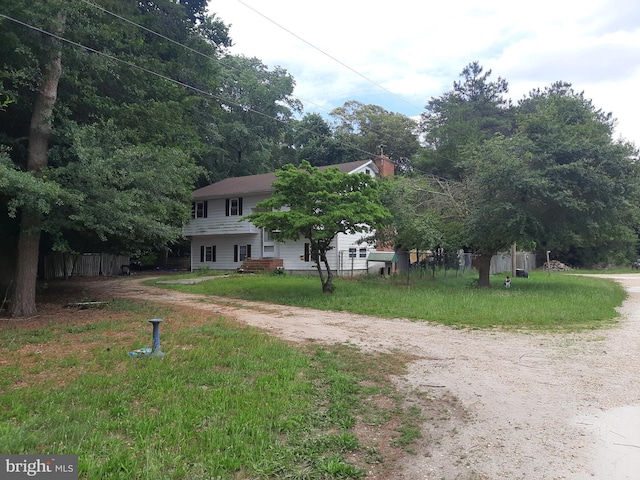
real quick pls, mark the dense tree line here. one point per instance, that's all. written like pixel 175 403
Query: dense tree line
pixel 113 111
pixel 545 172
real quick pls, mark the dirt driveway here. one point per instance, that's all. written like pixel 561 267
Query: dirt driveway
pixel 537 406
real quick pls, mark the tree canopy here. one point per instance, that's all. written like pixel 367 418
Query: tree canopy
pixel 374 130
pixel 558 179
pixel 473 111
pixel 109 111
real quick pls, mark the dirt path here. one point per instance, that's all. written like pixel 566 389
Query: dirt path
pixel 551 406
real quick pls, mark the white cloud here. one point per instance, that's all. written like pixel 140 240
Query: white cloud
pixel 416 50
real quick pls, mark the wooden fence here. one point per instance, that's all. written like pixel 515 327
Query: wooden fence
pixel 502 262
pixel 60 265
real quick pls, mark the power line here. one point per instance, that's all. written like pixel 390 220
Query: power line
pixel 329 55
pixel 169 79
pixel 218 61
pixel 215 59
pixel 193 50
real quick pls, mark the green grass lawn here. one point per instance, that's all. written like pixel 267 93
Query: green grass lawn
pixel 554 302
pixel 227 402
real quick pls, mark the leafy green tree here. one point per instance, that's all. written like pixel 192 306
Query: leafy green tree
pixel 256 108
pixel 500 199
pixel 123 201
pixel 416 223
pixel 561 182
pixel 371 129
pixel 453 124
pixel 313 141
pixel 591 195
pixel 54 86
pixel 318 205
pixel 46 66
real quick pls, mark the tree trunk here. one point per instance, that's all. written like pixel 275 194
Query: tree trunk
pixel 327 285
pixel 23 303
pixel 484 268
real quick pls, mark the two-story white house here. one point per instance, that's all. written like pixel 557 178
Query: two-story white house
pixel 221 240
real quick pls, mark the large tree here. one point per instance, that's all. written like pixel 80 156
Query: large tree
pixel 56 86
pixel 560 181
pixel 372 129
pixel 473 111
pixel 423 217
pixel 124 201
pixel 47 64
pixel 591 180
pixel 256 109
pixel 501 196
pixel 318 205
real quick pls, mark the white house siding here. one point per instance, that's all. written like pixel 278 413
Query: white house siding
pixel 220 223
pixel 348 265
pixel 292 254
pixel 224 250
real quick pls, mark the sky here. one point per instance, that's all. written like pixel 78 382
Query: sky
pixel 399 54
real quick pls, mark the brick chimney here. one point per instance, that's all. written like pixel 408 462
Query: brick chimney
pixel 385 165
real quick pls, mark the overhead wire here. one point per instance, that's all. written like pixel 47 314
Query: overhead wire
pixel 226 65
pixel 328 55
pixel 193 50
pixel 172 80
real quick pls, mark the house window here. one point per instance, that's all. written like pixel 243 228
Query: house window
pixel 309 254
pixel 207 253
pixel 363 253
pixel 241 252
pixel 233 206
pixel 199 209
pixel 352 252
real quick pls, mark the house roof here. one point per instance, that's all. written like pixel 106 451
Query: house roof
pixel 236 186
pixel 383 257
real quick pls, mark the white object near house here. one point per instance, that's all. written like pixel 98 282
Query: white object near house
pixel 221 240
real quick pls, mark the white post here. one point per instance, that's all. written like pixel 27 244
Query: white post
pixel 548 264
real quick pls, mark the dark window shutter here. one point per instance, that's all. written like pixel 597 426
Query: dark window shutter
pixel 206 203
pixel 213 253
pixel 193 209
pixel 235 253
pixel 248 251
pixel 240 206
pixel 201 253
pixel 307 247
pixel 226 206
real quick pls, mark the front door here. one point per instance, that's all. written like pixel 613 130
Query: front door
pixel 269 247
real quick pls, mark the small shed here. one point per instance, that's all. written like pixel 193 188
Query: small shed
pixel 388 258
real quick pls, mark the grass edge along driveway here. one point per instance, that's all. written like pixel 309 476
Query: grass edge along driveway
pixel 557 302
